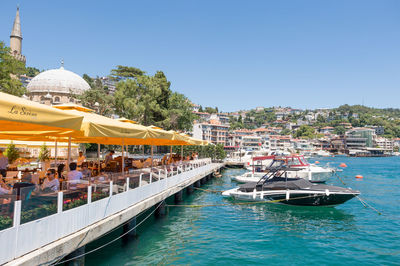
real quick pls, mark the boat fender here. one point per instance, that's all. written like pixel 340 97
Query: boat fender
pixel 327 192
pixel 262 195
pixel 254 194
pixel 287 194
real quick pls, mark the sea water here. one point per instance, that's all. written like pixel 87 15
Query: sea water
pixel 270 233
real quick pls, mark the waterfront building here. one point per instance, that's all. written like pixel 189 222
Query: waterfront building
pixel 359 138
pixel 195 107
pixel 251 142
pixel 56 86
pixel 202 115
pixel 212 131
pixel 384 143
pixel 280 143
pixel 16 39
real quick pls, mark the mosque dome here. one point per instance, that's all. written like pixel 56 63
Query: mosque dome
pixel 58 81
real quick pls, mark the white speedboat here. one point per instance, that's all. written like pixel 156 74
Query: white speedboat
pixel 274 187
pixel 310 172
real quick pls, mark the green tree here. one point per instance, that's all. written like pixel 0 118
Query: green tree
pixel 124 72
pixel 32 71
pixel 340 130
pixel 201 109
pixel 97 98
pixel 11 153
pixel 180 112
pixel 10 69
pixel 305 132
pixel 210 110
pixel 137 99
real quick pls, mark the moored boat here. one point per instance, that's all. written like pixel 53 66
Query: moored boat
pixel 275 187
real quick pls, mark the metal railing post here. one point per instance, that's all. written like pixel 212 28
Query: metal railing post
pixel 140 179
pixel 159 174
pixel 60 202
pixel 17 213
pixel 111 188
pixel 151 175
pixel 127 183
pixel 89 194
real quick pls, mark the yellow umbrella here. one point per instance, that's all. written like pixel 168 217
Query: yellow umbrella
pixel 73 106
pixel 123 119
pixel 21 117
pixel 100 129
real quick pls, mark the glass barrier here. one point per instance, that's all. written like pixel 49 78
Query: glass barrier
pixel 37 202
pixel 74 194
pixel 100 189
pixel 119 183
pixel 6 208
pixel 134 176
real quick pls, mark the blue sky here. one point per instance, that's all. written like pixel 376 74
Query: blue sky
pixel 230 54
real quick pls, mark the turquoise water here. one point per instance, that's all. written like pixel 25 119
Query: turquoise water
pixel 272 234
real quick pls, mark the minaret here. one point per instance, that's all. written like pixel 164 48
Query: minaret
pixel 16 39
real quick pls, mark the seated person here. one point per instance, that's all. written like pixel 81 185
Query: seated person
pixel 4 189
pixel 23 189
pixel 60 170
pixel 73 175
pixel 87 174
pixel 51 183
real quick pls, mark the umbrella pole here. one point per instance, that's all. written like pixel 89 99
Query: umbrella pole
pixel 152 157
pixel 123 159
pixel 55 153
pixel 69 153
pixel 181 153
pixel 98 157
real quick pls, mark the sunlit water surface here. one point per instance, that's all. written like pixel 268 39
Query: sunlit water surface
pixel 273 234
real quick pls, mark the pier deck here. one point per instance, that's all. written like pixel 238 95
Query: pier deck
pixel 50 238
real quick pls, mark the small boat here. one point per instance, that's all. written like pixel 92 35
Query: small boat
pixel 311 172
pixel 276 187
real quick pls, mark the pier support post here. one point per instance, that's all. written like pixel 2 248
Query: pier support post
pixel 128 227
pixel 197 183
pixel 178 196
pixel 189 189
pixel 161 210
pixel 78 261
pixel 203 180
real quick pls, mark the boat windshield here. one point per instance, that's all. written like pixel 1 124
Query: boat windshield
pixel 296 161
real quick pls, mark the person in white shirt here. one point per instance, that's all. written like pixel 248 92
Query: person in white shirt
pixel 73 175
pixel 81 159
pixel 51 182
pixel 4 189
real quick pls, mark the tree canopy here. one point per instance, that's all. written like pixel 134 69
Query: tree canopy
pixel 10 69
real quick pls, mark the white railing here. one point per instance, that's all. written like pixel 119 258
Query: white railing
pixel 23 238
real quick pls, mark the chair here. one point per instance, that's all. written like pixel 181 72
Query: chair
pixel 137 164
pixel 147 163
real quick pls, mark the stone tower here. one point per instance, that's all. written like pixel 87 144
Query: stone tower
pixel 16 39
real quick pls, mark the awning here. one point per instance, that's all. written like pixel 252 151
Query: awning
pixel 21 118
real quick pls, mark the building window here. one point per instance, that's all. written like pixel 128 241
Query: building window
pixel 42 99
pixel 71 100
pixel 57 99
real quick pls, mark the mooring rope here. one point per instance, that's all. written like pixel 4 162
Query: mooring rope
pixel 112 241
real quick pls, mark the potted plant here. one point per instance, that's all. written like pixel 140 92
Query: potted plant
pixel 44 157
pixel 11 153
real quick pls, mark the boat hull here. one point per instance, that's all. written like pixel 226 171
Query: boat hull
pixel 294 197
